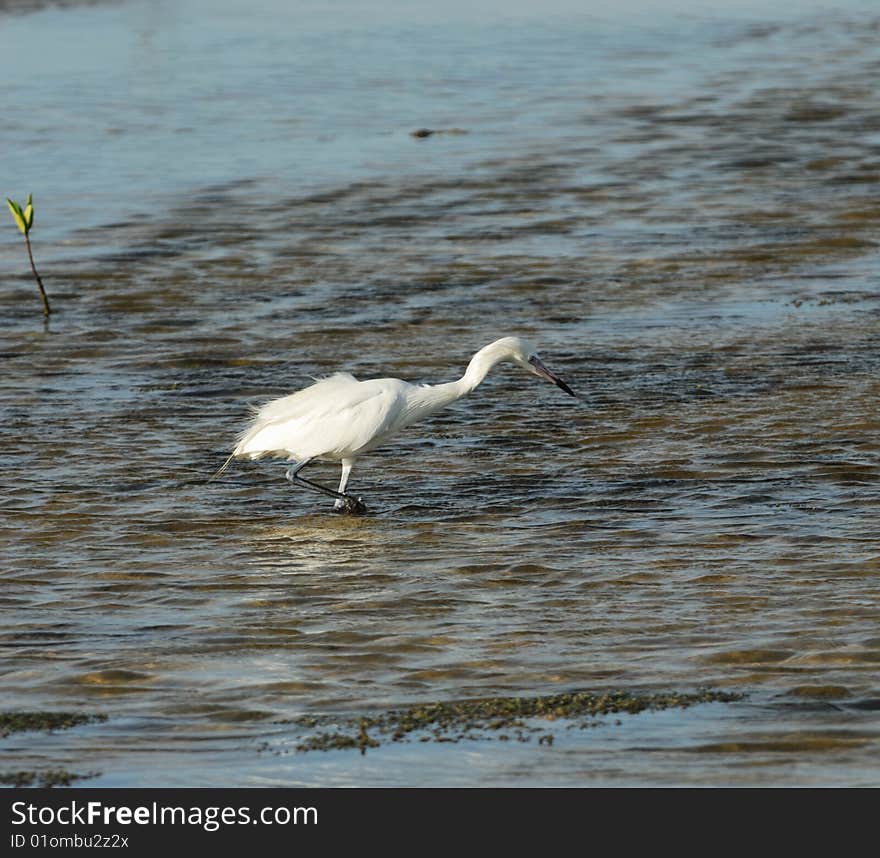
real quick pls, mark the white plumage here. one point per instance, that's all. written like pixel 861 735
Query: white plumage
pixel 340 418
pixel 336 418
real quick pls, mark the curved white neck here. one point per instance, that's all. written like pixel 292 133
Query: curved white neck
pixel 429 398
pixel 480 364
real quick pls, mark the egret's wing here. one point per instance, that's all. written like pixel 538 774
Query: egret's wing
pixel 311 398
pixel 362 424
pixel 262 435
pixel 337 416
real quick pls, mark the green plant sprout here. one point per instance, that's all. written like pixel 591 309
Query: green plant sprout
pixel 25 220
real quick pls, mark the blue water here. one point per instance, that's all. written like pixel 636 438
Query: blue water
pixel 677 201
pixel 126 109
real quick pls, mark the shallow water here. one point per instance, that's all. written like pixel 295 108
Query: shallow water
pixel 681 210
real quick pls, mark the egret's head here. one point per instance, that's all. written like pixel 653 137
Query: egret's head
pixel 522 352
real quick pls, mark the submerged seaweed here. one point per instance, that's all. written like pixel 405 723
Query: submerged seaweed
pixel 494 716
pixel 18 722
pixel 42 780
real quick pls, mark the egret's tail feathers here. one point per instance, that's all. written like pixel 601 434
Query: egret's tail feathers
pixel 222 468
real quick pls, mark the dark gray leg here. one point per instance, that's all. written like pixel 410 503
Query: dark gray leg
pixel 345 503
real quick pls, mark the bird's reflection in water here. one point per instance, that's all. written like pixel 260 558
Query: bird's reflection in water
pixel 320 543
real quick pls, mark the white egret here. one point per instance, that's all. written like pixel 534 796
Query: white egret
pixel 340 418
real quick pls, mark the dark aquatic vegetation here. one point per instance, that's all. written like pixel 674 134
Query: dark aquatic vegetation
pixel 44 779
pixel 422 133
pixel 522 717
pixel 17 722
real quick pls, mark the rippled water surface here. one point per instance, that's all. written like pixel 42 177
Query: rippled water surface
pixel 680 207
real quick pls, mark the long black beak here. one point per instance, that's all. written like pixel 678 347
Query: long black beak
pixel 540 369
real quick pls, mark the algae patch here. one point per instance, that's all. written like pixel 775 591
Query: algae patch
pixel 42 780
pixel 501 718
pixel 18 722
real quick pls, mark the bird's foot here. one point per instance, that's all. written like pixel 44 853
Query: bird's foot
pixel 350 506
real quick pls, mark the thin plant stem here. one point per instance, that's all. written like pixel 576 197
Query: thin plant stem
pixel 43 295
